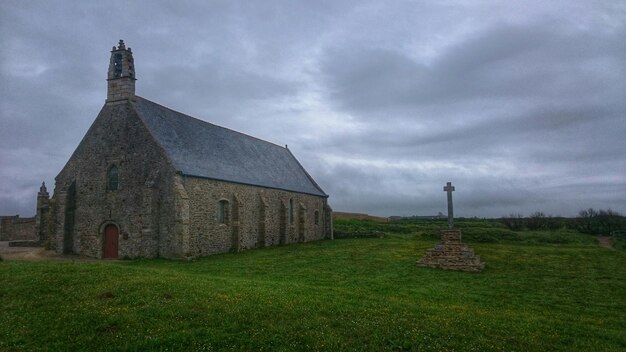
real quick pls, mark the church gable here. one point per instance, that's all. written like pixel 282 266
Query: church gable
pixel 112 176
pixel 116 137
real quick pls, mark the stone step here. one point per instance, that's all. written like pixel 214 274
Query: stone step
pixel 452 254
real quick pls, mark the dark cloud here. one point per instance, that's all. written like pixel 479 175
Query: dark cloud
pixel 537 63
pixel 224 89
pixel 521 106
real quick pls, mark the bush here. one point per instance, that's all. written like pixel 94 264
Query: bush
pixel 513 222
pixel 553 223
pixel 540 221
pixel 600 222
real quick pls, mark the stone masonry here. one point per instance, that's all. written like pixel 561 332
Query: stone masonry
pixel 14 228
pixel 451 254
pixel 253 209
pixel 32 230
pixel 121 75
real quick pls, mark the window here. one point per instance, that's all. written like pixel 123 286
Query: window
pixel 316 217
pixel 113 179
pixel 290 211
pixel 117 65
pixel 222 212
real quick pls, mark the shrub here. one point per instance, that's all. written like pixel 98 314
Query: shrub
pixel 535 221
pixel 540 221
pixel 553 223
pixel 513 222
pixel 600 222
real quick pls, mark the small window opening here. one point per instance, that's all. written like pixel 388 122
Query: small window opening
pixel 117 64
pixel 222 212
pixel 113 179
pixel 316 217
pixel 291 211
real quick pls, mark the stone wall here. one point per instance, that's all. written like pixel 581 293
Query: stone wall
pixel 14 228
pixel 258 217
pixel 138 208
pixel 120 89
pixel 358 216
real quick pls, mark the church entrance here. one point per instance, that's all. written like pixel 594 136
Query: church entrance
pixel 111 237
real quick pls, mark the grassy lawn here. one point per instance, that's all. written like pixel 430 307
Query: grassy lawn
pixel 353 294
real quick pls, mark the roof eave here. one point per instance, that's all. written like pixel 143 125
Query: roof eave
pixel 182 173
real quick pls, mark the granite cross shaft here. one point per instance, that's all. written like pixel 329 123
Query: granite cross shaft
pixel 449 188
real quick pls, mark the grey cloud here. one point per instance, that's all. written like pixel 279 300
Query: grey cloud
pixel 502 62
pixel 221 87
pixel 421 193
pixel 563 127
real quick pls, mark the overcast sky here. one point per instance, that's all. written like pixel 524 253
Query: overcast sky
pixel 522 105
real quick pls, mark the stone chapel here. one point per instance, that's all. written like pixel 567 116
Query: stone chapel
pixel 148 181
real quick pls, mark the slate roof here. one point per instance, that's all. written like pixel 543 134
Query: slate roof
pixel 199 148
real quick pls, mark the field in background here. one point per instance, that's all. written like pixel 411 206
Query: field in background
pixel 474 230
pixel 555 291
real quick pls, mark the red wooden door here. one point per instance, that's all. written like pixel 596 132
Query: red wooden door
pixel 111 236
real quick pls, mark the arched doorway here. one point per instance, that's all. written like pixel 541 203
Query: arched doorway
pixel 111 237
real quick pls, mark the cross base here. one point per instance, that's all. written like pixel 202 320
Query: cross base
pixel 451 254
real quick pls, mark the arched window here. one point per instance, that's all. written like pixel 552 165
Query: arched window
pixel 290 211
pixel 316 217
pixel 222 212
pixel 113 179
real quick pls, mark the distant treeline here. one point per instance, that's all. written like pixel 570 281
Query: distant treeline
pixel 590 221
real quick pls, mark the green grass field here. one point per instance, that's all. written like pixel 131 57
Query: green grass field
pixel 538 292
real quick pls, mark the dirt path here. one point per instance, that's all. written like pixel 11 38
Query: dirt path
pixel 34 254
pixel 605 242
pixel 24 253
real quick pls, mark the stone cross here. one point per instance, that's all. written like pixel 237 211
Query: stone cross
pixel 449 188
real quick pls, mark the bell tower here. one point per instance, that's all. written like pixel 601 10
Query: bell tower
pixel 121 77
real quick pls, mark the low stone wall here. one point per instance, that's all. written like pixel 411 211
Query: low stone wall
pixel 24 244
pixel 14 228
pixel 357 216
